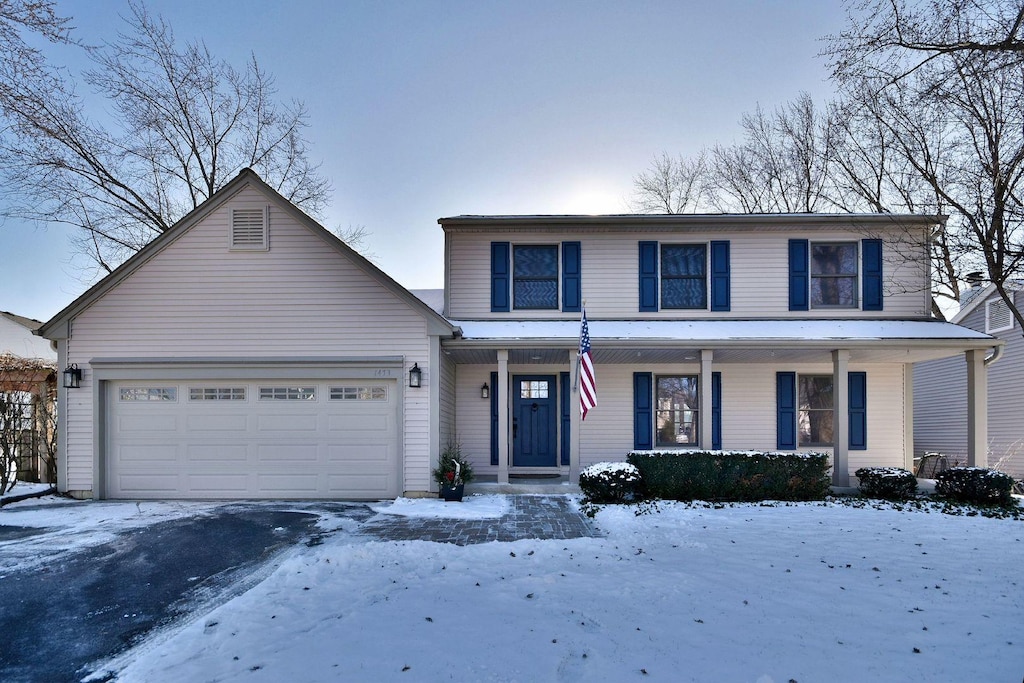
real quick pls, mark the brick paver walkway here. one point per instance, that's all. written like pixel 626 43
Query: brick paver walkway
pixel 531 516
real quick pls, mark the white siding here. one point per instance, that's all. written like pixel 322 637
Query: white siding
pixel 759 274
pixel 748 410
pixel 447 401
pixel 196 298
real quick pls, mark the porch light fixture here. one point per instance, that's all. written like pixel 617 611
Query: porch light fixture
pixel 485 391
pixel 415 376
pixel 72 377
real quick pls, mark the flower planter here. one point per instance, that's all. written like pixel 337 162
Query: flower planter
pixel 452 493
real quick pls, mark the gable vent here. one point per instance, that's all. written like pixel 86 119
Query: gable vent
pixel 249 228
pixel 997 316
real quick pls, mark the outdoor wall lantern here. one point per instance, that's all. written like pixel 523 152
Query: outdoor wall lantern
pixel 415 376
pixel 485 391
pixel 72 377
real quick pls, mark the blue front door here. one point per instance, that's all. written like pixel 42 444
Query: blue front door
pixel 534 414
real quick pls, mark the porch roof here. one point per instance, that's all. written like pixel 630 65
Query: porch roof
pixel 738 340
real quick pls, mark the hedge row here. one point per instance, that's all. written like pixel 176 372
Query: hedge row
pixel 732 475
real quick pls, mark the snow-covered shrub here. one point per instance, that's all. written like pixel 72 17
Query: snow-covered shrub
pixel 610 482
pixel 732 475
pixel 975 485
pixel 890 483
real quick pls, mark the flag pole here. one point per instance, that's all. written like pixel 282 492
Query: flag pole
pixel 576 382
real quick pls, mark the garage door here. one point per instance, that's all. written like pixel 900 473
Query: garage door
pixel 252 439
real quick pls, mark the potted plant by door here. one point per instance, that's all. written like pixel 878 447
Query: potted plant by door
pixel 453 472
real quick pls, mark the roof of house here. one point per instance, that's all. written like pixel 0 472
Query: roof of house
pixel 801 220
pixel 27 323
pixel 437 324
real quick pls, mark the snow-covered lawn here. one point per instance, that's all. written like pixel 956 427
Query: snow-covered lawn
pixel 804 592
pixel 801 592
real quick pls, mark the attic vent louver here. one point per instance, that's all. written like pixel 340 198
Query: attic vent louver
pixel 997 316
pixel 249 228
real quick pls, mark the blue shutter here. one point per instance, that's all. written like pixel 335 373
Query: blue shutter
pixel 858 394
pixel 720 276
pixel 572 286
pixel 872 294
pixel 785 402
pixel 716 411
pixel 643 417
pixel 565 399
pixel 500 275
pixel 494 418
pixel 648 276
pixel 799 275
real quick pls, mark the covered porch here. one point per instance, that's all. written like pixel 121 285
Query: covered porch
pixel 517 401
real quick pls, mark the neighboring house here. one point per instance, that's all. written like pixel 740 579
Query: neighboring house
pixel 249 353
pixel 27 391
pixel 17 338
pixel 940 418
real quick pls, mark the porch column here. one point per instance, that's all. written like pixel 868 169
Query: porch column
pixel 908 416
pixel 840 418
pixel 705 398
pixel 977 409
pixel 575 422
pixel 503 432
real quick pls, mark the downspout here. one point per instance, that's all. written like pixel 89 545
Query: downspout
pixel 997 353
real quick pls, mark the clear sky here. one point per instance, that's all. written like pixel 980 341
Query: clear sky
pixel 423 109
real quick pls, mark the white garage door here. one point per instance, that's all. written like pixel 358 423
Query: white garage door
pixel 251 439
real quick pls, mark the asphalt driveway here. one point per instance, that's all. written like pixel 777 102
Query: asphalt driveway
pixel 59 620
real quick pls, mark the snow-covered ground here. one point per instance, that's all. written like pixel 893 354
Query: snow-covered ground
pixel 805 592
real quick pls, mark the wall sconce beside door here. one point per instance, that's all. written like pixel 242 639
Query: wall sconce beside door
pixel 72 377
pixel 485 391
pixel 415 376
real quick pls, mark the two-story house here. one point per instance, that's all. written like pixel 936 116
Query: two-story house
pixel 249 353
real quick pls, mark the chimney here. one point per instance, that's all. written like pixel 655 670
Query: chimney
pixel 975 281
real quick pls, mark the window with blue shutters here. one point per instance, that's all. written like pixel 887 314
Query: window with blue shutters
pixel 806 410
pixel 677 276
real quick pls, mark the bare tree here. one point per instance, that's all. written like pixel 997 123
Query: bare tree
pixel 892 39
pixel 781 165
pixel 671 185
pixel 944 83
pixel 169 126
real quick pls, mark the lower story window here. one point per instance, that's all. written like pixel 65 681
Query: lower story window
pixel 816 410
pixel 677 419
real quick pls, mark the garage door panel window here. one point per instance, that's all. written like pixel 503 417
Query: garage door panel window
pixel 287 393
pixel 373 393
pixel 216 393
pixel 133 394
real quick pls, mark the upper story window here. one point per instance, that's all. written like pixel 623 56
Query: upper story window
pixel 998 316
pixel 540 277
pixel 684 276
pixel 535 276
pixel 834 275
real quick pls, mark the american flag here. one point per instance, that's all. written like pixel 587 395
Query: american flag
pixel 588 388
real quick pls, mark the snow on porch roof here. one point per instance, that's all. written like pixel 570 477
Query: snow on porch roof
pixel 728 331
